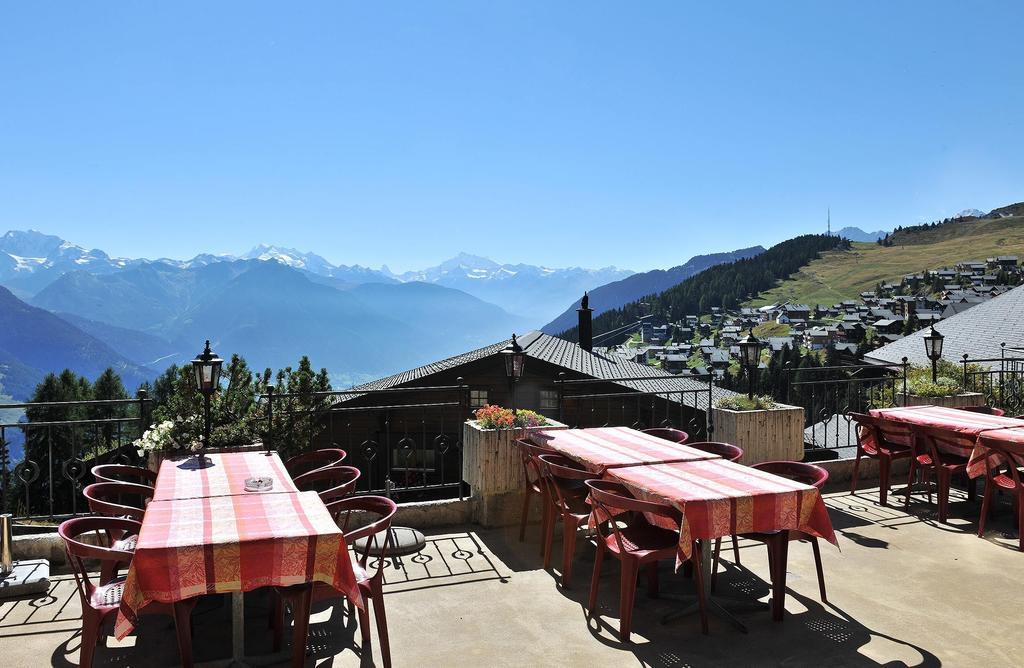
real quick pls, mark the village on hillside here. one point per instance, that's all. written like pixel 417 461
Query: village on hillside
pixel 708 342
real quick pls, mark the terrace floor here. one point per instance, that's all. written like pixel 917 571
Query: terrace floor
pixel 902 589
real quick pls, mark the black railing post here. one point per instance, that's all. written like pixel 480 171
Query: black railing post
pixel 270 418
pixel 906 366
pixel 966 389
pixel 560 384
pixel 1002 368
pixel 709 421
pixel 143 399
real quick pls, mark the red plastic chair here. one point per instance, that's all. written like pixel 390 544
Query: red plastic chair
pixel 668 433
pixel 987 410
pixel 1005 474
pixel 533 486
pixel 932 455
pixel 109 499
pixel 567 501
pixel 724 450
pixel 809 474
pixel 311 461
pixel 370 578
pixel 331 483
pixel 893 441
pixel 124 473
pixel 102 600
pixel 636 545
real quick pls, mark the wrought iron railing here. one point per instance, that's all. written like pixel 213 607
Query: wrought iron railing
pixel 685 403
pixel 829 394
pixel 406 441
pixel 60 442
pixel 999 379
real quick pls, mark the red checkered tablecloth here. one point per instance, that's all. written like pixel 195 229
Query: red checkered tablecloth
pixel 721 498
pixel 968 423
pixel 218 544
pixel 219 474
pixel 602 448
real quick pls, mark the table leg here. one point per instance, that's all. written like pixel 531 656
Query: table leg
pixel 780 547
pixel 715 603
pixel 238 627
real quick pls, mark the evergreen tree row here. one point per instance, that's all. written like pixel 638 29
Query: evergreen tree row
pixel 724 285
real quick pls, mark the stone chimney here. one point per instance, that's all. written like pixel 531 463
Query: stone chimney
pixel 586 324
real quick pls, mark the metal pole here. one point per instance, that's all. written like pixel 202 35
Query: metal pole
pixel 206 421
pixel 6 543
pixel 270 417
pixel 935 369
pixel 750 382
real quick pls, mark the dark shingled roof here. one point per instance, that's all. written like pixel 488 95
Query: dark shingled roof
pixel 565 354
pixel 978 332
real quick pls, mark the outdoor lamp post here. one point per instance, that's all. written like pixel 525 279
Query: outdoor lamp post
pixel 933 349
pixel 750 356
pixel 515 360
pixel 206 367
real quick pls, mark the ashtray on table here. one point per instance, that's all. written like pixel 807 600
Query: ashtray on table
pixel 262 484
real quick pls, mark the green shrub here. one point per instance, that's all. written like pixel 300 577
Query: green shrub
pixel 742 402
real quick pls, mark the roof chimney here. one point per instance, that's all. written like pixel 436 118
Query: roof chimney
pixel 586 324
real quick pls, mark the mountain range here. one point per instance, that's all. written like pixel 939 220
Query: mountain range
pixel 616 294
pixel 857 234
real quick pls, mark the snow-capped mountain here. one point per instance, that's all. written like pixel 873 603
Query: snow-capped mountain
pixel 30 261
pixel 531 290
pixel 970 213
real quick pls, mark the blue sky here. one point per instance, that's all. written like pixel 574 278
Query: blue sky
pixel 585 133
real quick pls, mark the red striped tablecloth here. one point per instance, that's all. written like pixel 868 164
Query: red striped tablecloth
pixel 721 498
pixel 1010 441
pixel 223 473
pixel 602 448
pixel 218 544
pixel 968 423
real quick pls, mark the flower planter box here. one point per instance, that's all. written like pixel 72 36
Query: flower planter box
pixel 765 435
pixel 492 468
pixel 966 399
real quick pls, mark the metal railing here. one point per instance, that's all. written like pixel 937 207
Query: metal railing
pixel 687 407
pixel 406 441
pixel 999 379
pixel 829 394
pixel 61 441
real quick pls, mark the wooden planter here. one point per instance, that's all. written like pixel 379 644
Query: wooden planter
pixel 765 435
pixel 966 399
pixel 492 467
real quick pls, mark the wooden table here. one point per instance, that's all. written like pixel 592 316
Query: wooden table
pixel 212 537
pixel 601 448
pixel 719 498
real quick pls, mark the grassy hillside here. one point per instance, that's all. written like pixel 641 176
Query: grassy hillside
pixel 844 274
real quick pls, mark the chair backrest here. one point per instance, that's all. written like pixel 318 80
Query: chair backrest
pixel 316 459
pixel 331 483
pixel 1002 457
pixel 559 473
pixel 987 410
pixel 724 450
pixel 668 433
pixel 611 499
pixel 382 507
pixel 105 528
pixel 124 473
pixel 528 453
pixel 939 442
pixel 808 474
pixel 888 434
pixel 108 498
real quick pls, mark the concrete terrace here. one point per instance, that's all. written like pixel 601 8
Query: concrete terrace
pixel 903 591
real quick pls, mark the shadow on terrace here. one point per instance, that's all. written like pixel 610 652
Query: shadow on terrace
pixel 900 593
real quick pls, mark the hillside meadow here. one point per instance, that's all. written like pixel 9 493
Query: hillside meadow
pixel 844 274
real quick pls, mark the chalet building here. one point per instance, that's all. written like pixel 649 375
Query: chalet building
pixel 404 410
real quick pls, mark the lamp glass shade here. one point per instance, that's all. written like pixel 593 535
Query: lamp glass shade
pixel 750 350
pixel 933 345
pixel 206 367
pixel 515 360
